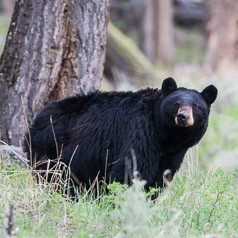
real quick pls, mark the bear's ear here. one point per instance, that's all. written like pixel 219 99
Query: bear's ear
pixel 168 86
pixel 209 94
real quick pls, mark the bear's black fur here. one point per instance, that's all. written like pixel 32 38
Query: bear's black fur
pixel 108 135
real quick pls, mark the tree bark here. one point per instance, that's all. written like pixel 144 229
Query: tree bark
pixel 53 49
pixel 222 37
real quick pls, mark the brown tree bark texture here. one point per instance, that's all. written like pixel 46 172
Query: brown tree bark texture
pixel 53 49
pixel 222 41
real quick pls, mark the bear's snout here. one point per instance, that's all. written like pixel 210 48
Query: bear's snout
pixel 184 117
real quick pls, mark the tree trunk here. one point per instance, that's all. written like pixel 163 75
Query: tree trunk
pixel 164 38
pixel 7 7
pixel 157 40
pixel 222 36
pixel 53 49
pixel 147 40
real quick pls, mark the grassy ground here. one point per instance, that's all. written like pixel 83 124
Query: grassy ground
pixel 197 204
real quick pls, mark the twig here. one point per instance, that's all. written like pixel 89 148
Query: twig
pixel 214 206
pixel 10 223
pixel 17 152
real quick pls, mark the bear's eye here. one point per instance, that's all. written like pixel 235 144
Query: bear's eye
pixel 176 104
pixel 195 105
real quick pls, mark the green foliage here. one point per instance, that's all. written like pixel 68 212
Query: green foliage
pixel 207 203
pixel 194 205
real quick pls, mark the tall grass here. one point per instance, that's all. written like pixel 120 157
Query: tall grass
pixel 194 205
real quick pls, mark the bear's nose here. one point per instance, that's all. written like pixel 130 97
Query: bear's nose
pixel 184 117
pixel 181 117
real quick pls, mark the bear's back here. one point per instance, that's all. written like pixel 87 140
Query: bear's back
pixel 78 119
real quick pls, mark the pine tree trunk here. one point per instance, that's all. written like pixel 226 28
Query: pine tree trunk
pixel 53 49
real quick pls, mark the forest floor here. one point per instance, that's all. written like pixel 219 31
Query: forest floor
pixel 196 204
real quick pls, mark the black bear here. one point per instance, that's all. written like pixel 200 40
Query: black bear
pixel 109 135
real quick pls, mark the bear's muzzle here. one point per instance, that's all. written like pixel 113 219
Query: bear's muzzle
pixel 184 117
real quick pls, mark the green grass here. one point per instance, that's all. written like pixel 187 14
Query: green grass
pixel 195 204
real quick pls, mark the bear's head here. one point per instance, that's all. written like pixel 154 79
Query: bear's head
pixel 185 108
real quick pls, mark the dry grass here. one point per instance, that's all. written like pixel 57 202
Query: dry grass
pixel 196 204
